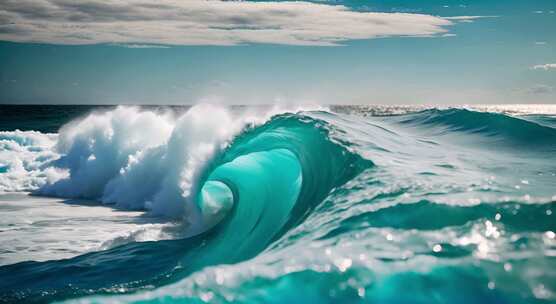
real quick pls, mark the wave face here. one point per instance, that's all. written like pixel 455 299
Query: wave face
pixel 409 206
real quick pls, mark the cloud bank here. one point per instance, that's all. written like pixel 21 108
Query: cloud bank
pixel 199 22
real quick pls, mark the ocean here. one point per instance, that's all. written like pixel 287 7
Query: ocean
pixel 269 204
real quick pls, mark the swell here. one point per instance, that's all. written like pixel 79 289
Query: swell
pixel 267 180
pixel 426 215
pixel 511 128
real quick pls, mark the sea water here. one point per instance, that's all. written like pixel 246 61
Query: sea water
pixel 339 204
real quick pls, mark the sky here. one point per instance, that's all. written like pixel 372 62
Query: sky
pixel 265 52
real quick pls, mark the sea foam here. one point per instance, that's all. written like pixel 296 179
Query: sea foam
pixel 24 160
pixel 140 159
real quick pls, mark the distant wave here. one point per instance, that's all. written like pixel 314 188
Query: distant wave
pixel 512 128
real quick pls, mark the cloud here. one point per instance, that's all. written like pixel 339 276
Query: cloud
pixel 468 18
pixel 199 22
pixel 545 67
pixel 143 46
pixel 539 89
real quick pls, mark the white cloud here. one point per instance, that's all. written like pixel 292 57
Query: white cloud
pixel 198 22
pixel 468 17
pixel 545 67
pixel 143 46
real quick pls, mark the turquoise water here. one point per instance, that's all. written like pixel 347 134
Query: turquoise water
pixel 341 205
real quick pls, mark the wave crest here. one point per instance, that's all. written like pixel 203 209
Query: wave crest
pixel 140 159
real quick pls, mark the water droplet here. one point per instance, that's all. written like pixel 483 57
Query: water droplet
pixel 437 248
pixel 508 267
pixel 498 216
pixel 548 212
pixel 541 292
pixel 491 285
pixel 361 292
pixel 483 249
pixel 491 230
pixel 389 237
pixel 219 278
pixel 550 234
pixel 343 264
pixel 206 297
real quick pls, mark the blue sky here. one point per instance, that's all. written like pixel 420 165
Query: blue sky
pixel 325 52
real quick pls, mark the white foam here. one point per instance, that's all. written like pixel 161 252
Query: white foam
pixel 136 159
pixel 95 149
pixel 24 156
pixel 143 159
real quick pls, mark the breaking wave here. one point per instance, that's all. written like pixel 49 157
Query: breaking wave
pixel 409 207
